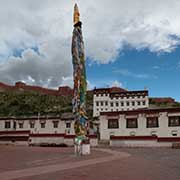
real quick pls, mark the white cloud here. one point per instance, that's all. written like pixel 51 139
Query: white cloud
pixel 107 27
pixel 67 81
pixel 116 84
pixel 128 73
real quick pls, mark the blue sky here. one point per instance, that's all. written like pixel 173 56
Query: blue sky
pixel 135 70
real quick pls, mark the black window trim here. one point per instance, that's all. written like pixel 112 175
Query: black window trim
pixel 117 121
pixel 157 123
pixel 130 119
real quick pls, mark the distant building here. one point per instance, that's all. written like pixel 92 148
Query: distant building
pixel 118 99
pixel 20 86
pixel 162 100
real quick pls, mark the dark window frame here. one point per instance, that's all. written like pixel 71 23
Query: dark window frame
pixel 14 125
pixel 152 122
pixel 129 123
pixel 113 124
pixel 43 125
pixel 21 125
pixel 7 125
pixel 32 125
pixel 170 118
pixel 68 125
pixel 55 124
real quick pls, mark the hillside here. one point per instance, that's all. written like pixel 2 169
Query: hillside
pixel 31 104
pixel 28 103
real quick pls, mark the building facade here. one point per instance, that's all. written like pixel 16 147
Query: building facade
pixel 142 127
pixel 118 99
pixel 38 131
pixel 37 125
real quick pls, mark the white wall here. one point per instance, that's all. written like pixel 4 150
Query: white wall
pixel 139 143
pixel 49 127
pixel 108 108
pixel 49 140
pixel 162 131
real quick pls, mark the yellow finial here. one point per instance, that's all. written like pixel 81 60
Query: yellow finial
pixel 76 14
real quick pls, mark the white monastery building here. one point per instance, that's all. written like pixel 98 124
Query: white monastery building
pixel 118 99
pixel 125 119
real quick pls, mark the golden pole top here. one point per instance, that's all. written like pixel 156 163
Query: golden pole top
pixel 76 14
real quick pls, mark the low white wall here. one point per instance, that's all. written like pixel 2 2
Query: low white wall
pixel 69 141
pixel 48 140
pixel 139 143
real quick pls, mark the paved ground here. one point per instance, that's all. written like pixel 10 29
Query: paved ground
pixel 37 163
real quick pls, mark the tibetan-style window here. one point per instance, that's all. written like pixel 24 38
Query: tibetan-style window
pixel 152 122
pixel 68 125
pixel 97 103
pixel 111 104
pixel 113 123
pixel 117 104
pixel 174 121
pixel 43 125
pixel 106 103
pixel 131 123
pixel 31 125
pixel 14 125
pixel 21 125
pixel 101 103
pixel 7 124
pixel 55 124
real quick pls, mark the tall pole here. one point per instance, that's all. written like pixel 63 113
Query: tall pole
pixel 79 75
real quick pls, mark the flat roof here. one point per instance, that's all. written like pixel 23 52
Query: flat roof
pixel 140 111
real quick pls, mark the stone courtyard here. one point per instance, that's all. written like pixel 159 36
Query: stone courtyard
pixel 46 163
